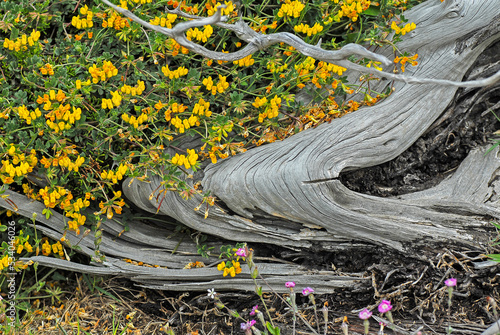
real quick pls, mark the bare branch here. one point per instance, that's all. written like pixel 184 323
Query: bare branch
pixel 257 41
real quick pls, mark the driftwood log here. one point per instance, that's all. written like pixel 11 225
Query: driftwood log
pixel 289 193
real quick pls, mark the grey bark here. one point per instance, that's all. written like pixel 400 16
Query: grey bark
pixel 288 193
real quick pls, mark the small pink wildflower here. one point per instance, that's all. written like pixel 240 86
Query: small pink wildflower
pixel 248 325
pixel 365 314
pixel 451 282
pixel 290 284
pixel 307 291
pixel 254 309
pixel 241 252
pixel 385 306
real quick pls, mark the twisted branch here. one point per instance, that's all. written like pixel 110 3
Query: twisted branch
pixel 257 41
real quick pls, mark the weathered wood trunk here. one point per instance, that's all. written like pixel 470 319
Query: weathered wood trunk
pixel 289 194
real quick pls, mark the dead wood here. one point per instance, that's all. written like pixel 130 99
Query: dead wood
pixel 289 194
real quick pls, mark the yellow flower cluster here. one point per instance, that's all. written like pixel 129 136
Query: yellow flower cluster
pixel 259 26
pixel 406 29
pixel 47 70
pixel 181 71
pixel 47 99
pixel 115 21
pixel 290 9
pixel 220 87
pixel 183 124
pixel 22 43
pixel 62 118
pixel 25 114
pixel 5 114
pixel 58 196
pixel 103 73
pixel 222 130
pixel 275 67
pixel 272 110
pixel 20 246
pixel 175 108
pixel 176 47
pixel 247 61
pixel 85 22
pixel 56 248
pixel 306 66
pixel 217 149
pixel 403 60
pixel 202 108
pixel 115 176
pixel 226 11
pixel 305 29
pixel 164 22
pixel 71 166
pixel 259 102
pixel 62 159
pixel 135 121
pixel 351 9
pixel 16 165
pixel 78 220
pixel 134 90
pixel 142 2
pixel 79 204
pixel 188 161
pixel 5 262
pixel 115 101
pixel 233 270
pixel 200 35
pixel 79 83
pixel 324 70
pixel 116 203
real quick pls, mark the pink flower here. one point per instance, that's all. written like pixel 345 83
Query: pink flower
pixel 307 291
pixel 248 325
pixel 290 284
pixel 365 314
pixel 450 282
pixel 241 252
pixel 254 309
pixel 385 306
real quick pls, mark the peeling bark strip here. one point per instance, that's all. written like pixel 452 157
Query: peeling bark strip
pixel 287 193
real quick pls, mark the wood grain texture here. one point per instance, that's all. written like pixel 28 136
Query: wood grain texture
pixel 287 193
pixel 295 180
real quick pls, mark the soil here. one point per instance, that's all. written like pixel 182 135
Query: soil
pixel 416 290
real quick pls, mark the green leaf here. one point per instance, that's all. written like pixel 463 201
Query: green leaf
pixel 103 291
pixel 47 213
pixel 495 257
pixel 272 330
pixel 372 11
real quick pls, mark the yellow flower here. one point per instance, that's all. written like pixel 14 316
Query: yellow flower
pixel 304 28
pixel 406 29
pixel 247 61
pixel 291 9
